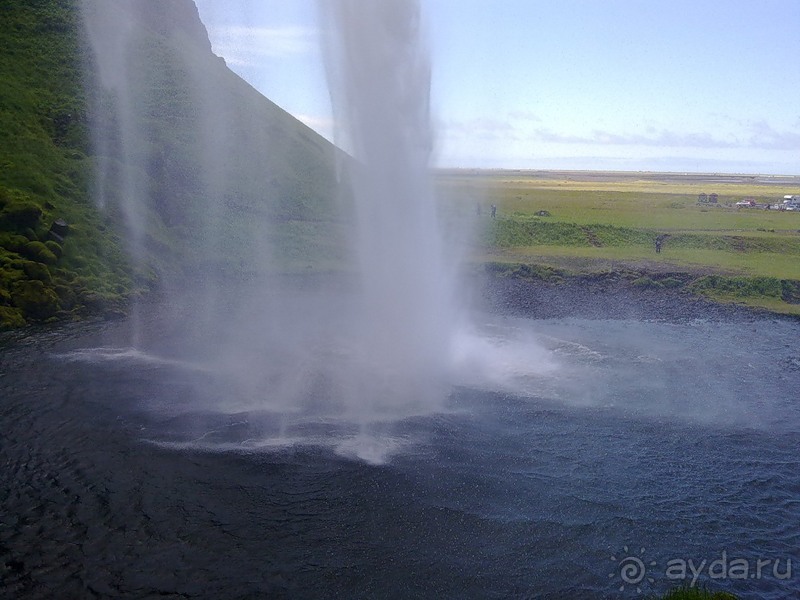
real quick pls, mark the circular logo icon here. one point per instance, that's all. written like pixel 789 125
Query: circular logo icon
pixel 631 569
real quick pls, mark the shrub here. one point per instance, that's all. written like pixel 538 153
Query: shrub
pixel 647 283
pixel 518 231
pixel 741 287
pixel 526 271
pixel 671 282
pixel 790 291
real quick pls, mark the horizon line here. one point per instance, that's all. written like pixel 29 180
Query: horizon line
pixel 684 172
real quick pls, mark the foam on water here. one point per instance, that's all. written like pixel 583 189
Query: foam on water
pixel 132 356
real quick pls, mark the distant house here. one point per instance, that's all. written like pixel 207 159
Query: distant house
pixel 791 202
pixel 702 198
pixel 713 198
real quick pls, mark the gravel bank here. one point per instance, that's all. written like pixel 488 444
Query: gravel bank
pixel 604 297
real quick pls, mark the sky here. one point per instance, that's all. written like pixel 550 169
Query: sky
pixel 653 85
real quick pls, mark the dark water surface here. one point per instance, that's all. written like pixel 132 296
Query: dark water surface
pixel 642 445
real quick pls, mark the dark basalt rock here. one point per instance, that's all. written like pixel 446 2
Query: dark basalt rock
pixel 59 228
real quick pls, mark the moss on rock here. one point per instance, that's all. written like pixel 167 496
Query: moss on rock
pixel 36 270
pixel 11 317
pixel 35 299
pixel 55 248
pixel 20 215
pixel 39 252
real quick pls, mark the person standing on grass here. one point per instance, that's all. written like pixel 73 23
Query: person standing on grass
pixel 658 245
pixel 494 210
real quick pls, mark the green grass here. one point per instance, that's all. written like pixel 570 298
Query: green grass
pixel 248 186
pixel 695 260
pixel 606 225
pixel 269 176
pixel 778 295
pixel 626 204
pixel 664 212
pixel 45 175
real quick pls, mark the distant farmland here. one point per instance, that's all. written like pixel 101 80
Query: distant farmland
pixel 597 221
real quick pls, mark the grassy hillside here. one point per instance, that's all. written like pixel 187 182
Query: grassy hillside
pixel 223 181
pixel 212 171
pixel 45 174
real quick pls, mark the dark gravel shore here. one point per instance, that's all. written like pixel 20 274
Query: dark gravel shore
pixel 604 297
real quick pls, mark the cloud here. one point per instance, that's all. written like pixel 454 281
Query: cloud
pixel 766 137
pixel 526 126
pixel 247 46
pixel 525 115
pixel 658 138
pixel 758 135
pixel 483 128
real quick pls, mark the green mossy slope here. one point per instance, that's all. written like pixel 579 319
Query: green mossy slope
pixel 45 173
pixel 225 182
pixel 216 168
